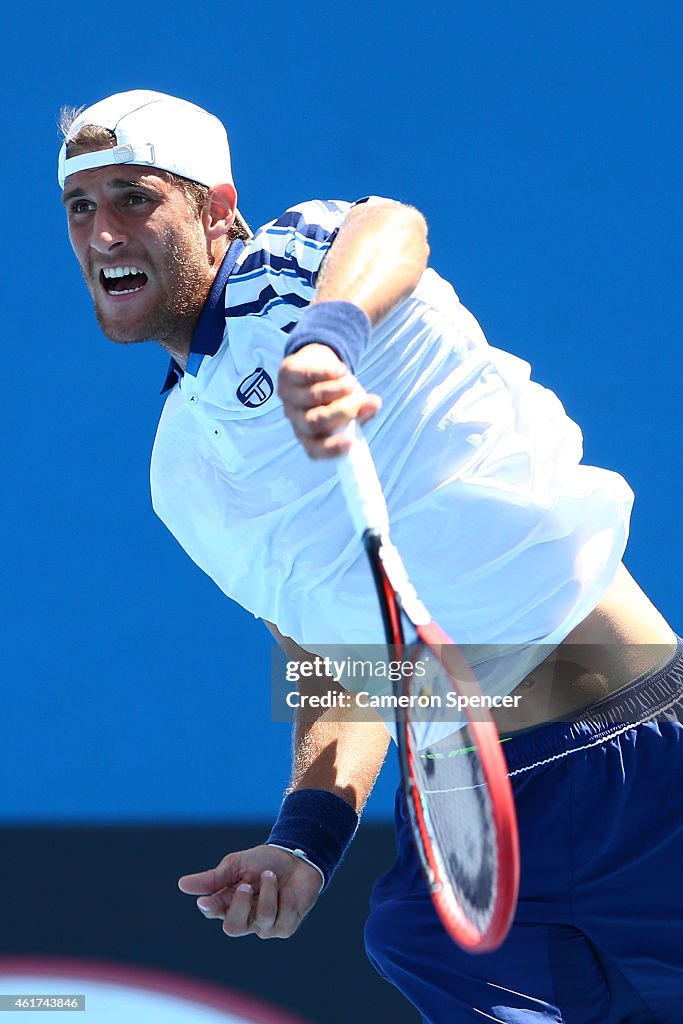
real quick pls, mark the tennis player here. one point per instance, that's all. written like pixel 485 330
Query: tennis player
pixel 279 339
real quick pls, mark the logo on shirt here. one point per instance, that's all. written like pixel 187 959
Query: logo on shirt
pixel 255 389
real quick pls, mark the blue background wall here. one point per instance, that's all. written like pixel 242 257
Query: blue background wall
pixel 542 141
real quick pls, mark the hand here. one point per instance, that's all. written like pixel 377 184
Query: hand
pixel 320 398
pixel 264 891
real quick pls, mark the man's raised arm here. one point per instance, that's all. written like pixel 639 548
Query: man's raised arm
pixel 373 265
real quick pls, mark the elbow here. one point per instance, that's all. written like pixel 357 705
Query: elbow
pixel 418 221
pixel 423 240
pixel 402 227
pixel 416 238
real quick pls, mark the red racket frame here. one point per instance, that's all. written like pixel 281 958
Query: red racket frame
pixel 494 766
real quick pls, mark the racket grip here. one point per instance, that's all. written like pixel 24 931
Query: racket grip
pixel 360 484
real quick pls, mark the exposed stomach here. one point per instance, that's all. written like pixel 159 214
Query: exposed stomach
pixel 623 638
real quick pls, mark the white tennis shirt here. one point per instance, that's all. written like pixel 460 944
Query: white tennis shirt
pixel 507 537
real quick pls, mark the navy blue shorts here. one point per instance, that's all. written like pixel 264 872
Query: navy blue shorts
pixel 598 934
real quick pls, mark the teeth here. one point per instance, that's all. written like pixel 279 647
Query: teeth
pixel 120 271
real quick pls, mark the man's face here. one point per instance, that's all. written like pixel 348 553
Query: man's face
pixel 142 251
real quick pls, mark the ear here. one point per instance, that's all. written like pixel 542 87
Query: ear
pixel 219 211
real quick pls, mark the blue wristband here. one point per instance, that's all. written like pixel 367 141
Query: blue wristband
pixel 342 326
pixel 317 823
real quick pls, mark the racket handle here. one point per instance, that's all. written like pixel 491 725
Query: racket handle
pixel 361 486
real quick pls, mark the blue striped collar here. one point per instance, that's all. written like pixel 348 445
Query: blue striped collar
pixel 209 329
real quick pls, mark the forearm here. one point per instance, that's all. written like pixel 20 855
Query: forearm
pixel 341 749
pixel 340 753
pixel 376 259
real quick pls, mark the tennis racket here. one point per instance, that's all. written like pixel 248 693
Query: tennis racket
pixel 457 790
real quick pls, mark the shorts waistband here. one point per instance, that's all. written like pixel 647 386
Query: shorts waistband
pixel 645 698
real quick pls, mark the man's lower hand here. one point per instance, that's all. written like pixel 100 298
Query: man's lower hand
pixel 264 891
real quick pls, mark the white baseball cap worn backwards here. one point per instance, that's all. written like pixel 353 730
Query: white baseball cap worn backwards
pixel 155 130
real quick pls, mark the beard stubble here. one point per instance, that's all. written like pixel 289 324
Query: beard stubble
pixel 185 272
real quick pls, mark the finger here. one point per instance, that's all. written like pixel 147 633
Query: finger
pixel 204 882
pixel 289 915
pixel 236 921
pixel 369 408
pixel 327 448
pixel 326 419
pixel 308 396
pixel 266 906
pixel 318 423
pixel 216 905
pixel 310 368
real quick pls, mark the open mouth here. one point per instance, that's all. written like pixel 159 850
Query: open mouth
pixel 122 280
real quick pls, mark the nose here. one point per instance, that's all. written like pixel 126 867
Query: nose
pixel 108 233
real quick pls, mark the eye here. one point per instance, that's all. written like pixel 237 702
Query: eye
pixel 137 199
pixel 81 206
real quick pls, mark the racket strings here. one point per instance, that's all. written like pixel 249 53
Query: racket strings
pixel 456 808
